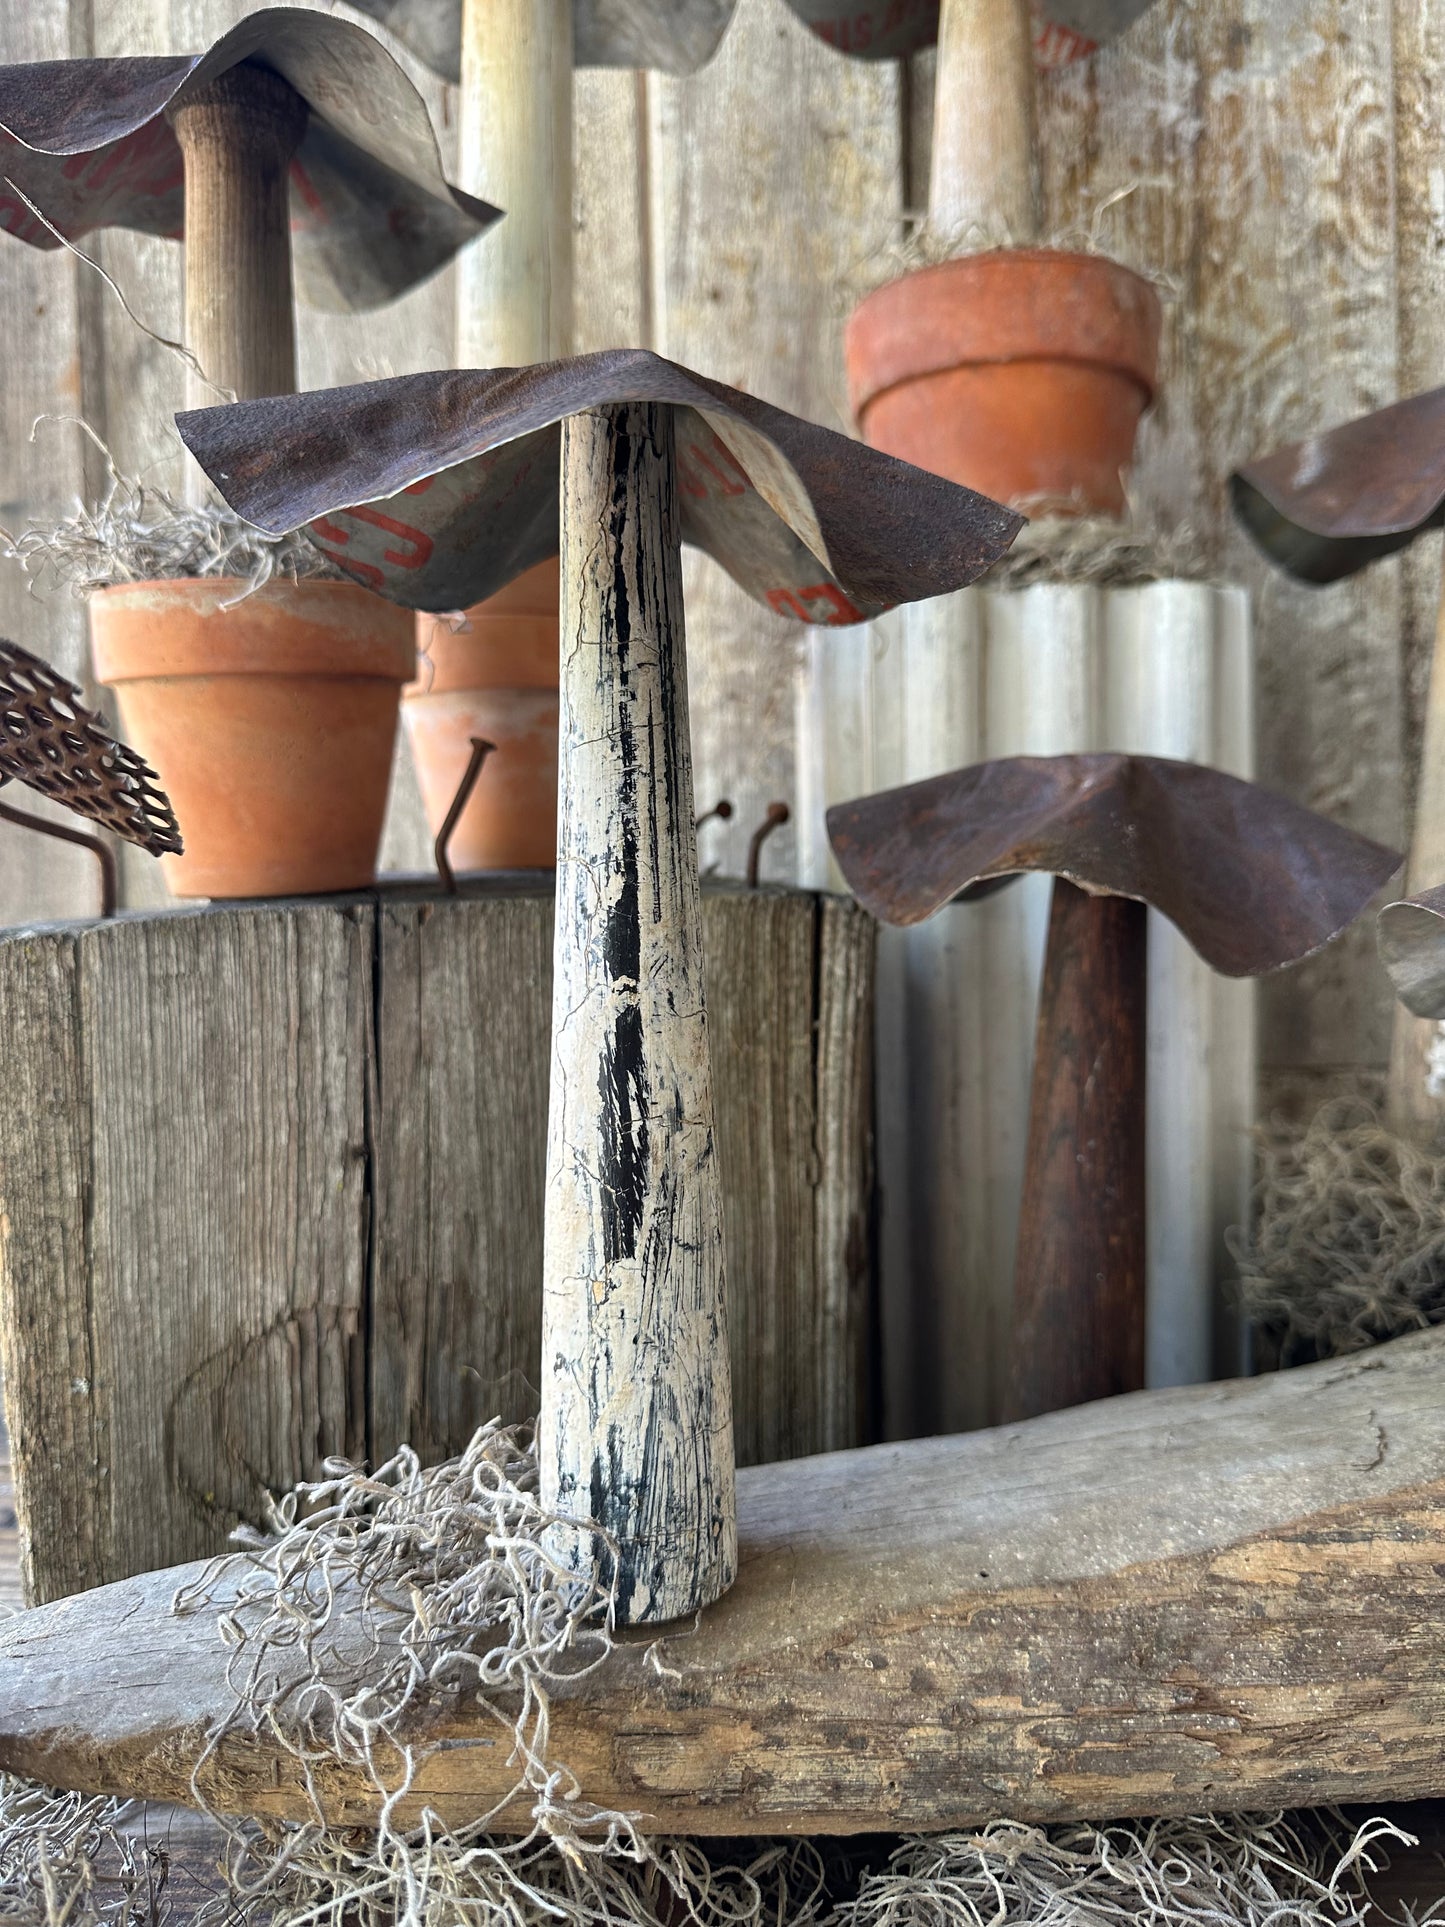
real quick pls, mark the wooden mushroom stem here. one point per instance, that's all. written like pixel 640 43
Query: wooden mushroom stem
pixel 516 149
pixel 636 1417
pixel 985 172
pixel 238 134
pixel 1412 1110
pixel 1079 1285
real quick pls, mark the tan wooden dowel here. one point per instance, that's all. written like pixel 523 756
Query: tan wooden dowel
pixel 636 1415
pixel 238 134
pixel 985 180
pixel 516 150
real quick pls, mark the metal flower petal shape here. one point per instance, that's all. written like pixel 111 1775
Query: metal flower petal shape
pixel 51 741
pixel 1064 30
pixel 1253 880
pixel 90 142
pixel 1411 935
pixel 437 489
pixel 1325 507
pixel 669 36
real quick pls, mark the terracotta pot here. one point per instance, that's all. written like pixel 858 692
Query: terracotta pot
pixel 496 678
pixel 1022 373
pixel 271 724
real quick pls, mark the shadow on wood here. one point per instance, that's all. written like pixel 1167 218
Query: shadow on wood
pixel 271 1189
pixel 1218 1598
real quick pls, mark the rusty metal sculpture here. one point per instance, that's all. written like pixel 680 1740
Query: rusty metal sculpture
pixel 1323 509
pixel 458 478
pixel 294 125
pixel 52 742
pixel 1252 880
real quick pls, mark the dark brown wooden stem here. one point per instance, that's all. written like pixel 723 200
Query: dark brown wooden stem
pixel 238 134
pixel 1079 1281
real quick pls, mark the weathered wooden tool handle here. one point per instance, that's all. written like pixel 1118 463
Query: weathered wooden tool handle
pixel 238 134
pixel 1079 1283
pixel 636 1415
pixel 985 174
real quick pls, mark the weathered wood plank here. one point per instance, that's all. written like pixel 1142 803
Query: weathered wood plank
pixel 1224 1597
pixel 271 1188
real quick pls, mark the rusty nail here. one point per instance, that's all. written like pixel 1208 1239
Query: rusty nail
pixel 481 749
pixel 722 810
pixel 99 849
pixel 778 814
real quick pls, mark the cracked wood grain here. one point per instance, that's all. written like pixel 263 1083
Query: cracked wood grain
pixel 636 1420
pixel 1224 1597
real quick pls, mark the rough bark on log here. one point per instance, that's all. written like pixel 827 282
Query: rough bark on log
pixel 271 1188
pixel 635 1431
pixel 1221 1597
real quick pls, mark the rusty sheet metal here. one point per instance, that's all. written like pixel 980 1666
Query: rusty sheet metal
pixel 1325 507
pixel 1064 30
pixel 672 36
pixel 1411 935
pixel 371 211
pixel 437 489
pixel 1253 880
pixel 50 741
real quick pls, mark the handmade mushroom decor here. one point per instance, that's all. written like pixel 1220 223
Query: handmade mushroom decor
pixel 1252 880
pixel 460 476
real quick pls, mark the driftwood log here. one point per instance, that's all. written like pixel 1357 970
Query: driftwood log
pixel 1222 1597
pixel 271 1188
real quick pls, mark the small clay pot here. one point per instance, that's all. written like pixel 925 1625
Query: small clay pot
pixel 271 723
pixel 1022 373
pixel 495 678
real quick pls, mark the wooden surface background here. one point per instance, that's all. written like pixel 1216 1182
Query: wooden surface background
pixel 1284 176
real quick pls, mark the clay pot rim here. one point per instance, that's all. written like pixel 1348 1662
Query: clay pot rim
pixel 380 648
pixel 888 344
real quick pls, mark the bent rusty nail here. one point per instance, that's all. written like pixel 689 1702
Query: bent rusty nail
pixel 778 814
pixel 481 749
pixel 99 849
pixel 722 810
pixel 1252 880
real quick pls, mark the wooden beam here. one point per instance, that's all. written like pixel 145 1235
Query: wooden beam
pixel 1221 1597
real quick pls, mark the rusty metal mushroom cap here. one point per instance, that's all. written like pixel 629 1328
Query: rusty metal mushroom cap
pixel 437 489
pixel 1411 936
pixel 1064 30
pixel 672 36
pixel 1253 880
pixel 1325 507
pixel 372 213
pixel 50 741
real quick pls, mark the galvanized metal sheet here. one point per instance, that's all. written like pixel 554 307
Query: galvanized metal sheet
pixel 372 212
pixel 1253 880
pixel 437 489
pixel 51 742
pixel 1064 30
pixel 1411 935
pixel 1325 507
pixel 672 36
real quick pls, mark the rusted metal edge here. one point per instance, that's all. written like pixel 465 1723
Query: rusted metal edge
pixel 1253 880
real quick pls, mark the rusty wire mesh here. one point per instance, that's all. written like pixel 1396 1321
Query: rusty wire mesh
pixel 50 741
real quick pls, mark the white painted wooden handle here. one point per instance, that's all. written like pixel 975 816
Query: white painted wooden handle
pixel 985 179
pixel 636 1415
